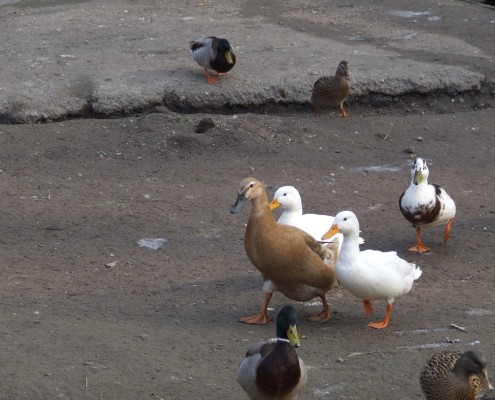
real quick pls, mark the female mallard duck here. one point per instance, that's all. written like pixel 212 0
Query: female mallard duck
pixel 425 204
pixel 272 369
pixel 331 91
pixel 452 375
pixel 289 259
pixel 370 274
pixel 289 199
pixel 213 53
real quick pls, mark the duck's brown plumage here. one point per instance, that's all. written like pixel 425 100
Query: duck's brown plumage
pixel 452 375
pixel 285 255
pixel 331 91
pixel 279 371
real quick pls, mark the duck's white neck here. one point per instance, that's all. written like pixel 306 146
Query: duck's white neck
pixel 294 207
pixel 351 242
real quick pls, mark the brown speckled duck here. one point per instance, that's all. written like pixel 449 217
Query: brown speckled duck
pixel 331 91
pixel 289 259
pixel 452 375
pixel 272 369
pixel 213 53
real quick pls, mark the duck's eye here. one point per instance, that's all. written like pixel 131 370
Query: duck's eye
pixel 345 219
pixel 285 194
pixel 251 185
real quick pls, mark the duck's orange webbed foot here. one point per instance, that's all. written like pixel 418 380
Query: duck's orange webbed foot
pixel 258 319
pixel 211 81
pixel 261 318
pixel 420 247
pixel 384 323
pixel 324 315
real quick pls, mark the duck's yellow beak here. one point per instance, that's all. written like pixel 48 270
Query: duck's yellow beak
pixel 228 57
pixel 418 177
pixel 293 336
pixel 274 204
pixel 334 229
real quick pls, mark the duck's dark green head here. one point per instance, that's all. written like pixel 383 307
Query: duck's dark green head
pixel 225 49
pixel 287 325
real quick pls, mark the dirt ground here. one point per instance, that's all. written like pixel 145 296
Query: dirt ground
pixel 89 314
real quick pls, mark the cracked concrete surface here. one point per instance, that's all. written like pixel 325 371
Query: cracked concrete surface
pixel 63 59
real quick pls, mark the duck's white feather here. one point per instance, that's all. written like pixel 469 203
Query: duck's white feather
pixel 315 224
pixel 371 274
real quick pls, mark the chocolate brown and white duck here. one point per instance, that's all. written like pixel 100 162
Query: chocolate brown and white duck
pixel 213 53
pixel 426 205
pixel 453 375
pixel 289 259
pixel 370 274
pixel 272 369
pixel 331 91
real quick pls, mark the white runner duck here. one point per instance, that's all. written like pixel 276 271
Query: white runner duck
pixel 289 200
pixel 370 274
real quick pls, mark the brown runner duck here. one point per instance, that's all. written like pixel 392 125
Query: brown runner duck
pixel 289 259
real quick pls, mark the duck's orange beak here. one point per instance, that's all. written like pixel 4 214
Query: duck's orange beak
pixel 274 204
pixel 334 229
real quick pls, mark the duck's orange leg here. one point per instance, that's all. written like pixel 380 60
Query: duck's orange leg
pixel 420 247
pixel 324 315
pixel 211 81
pixel 342 112
pixel 447 231
pixel 384 323
pixel 261 318
pixel 368 307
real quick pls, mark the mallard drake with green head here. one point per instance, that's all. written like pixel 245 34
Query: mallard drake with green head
pixel 272 369
pixel 331 91
pixel 452 375
pixel 213 53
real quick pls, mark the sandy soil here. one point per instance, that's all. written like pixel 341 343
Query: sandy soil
pixel 87 313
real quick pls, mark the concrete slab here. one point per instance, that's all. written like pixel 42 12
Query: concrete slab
pixel 63 59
